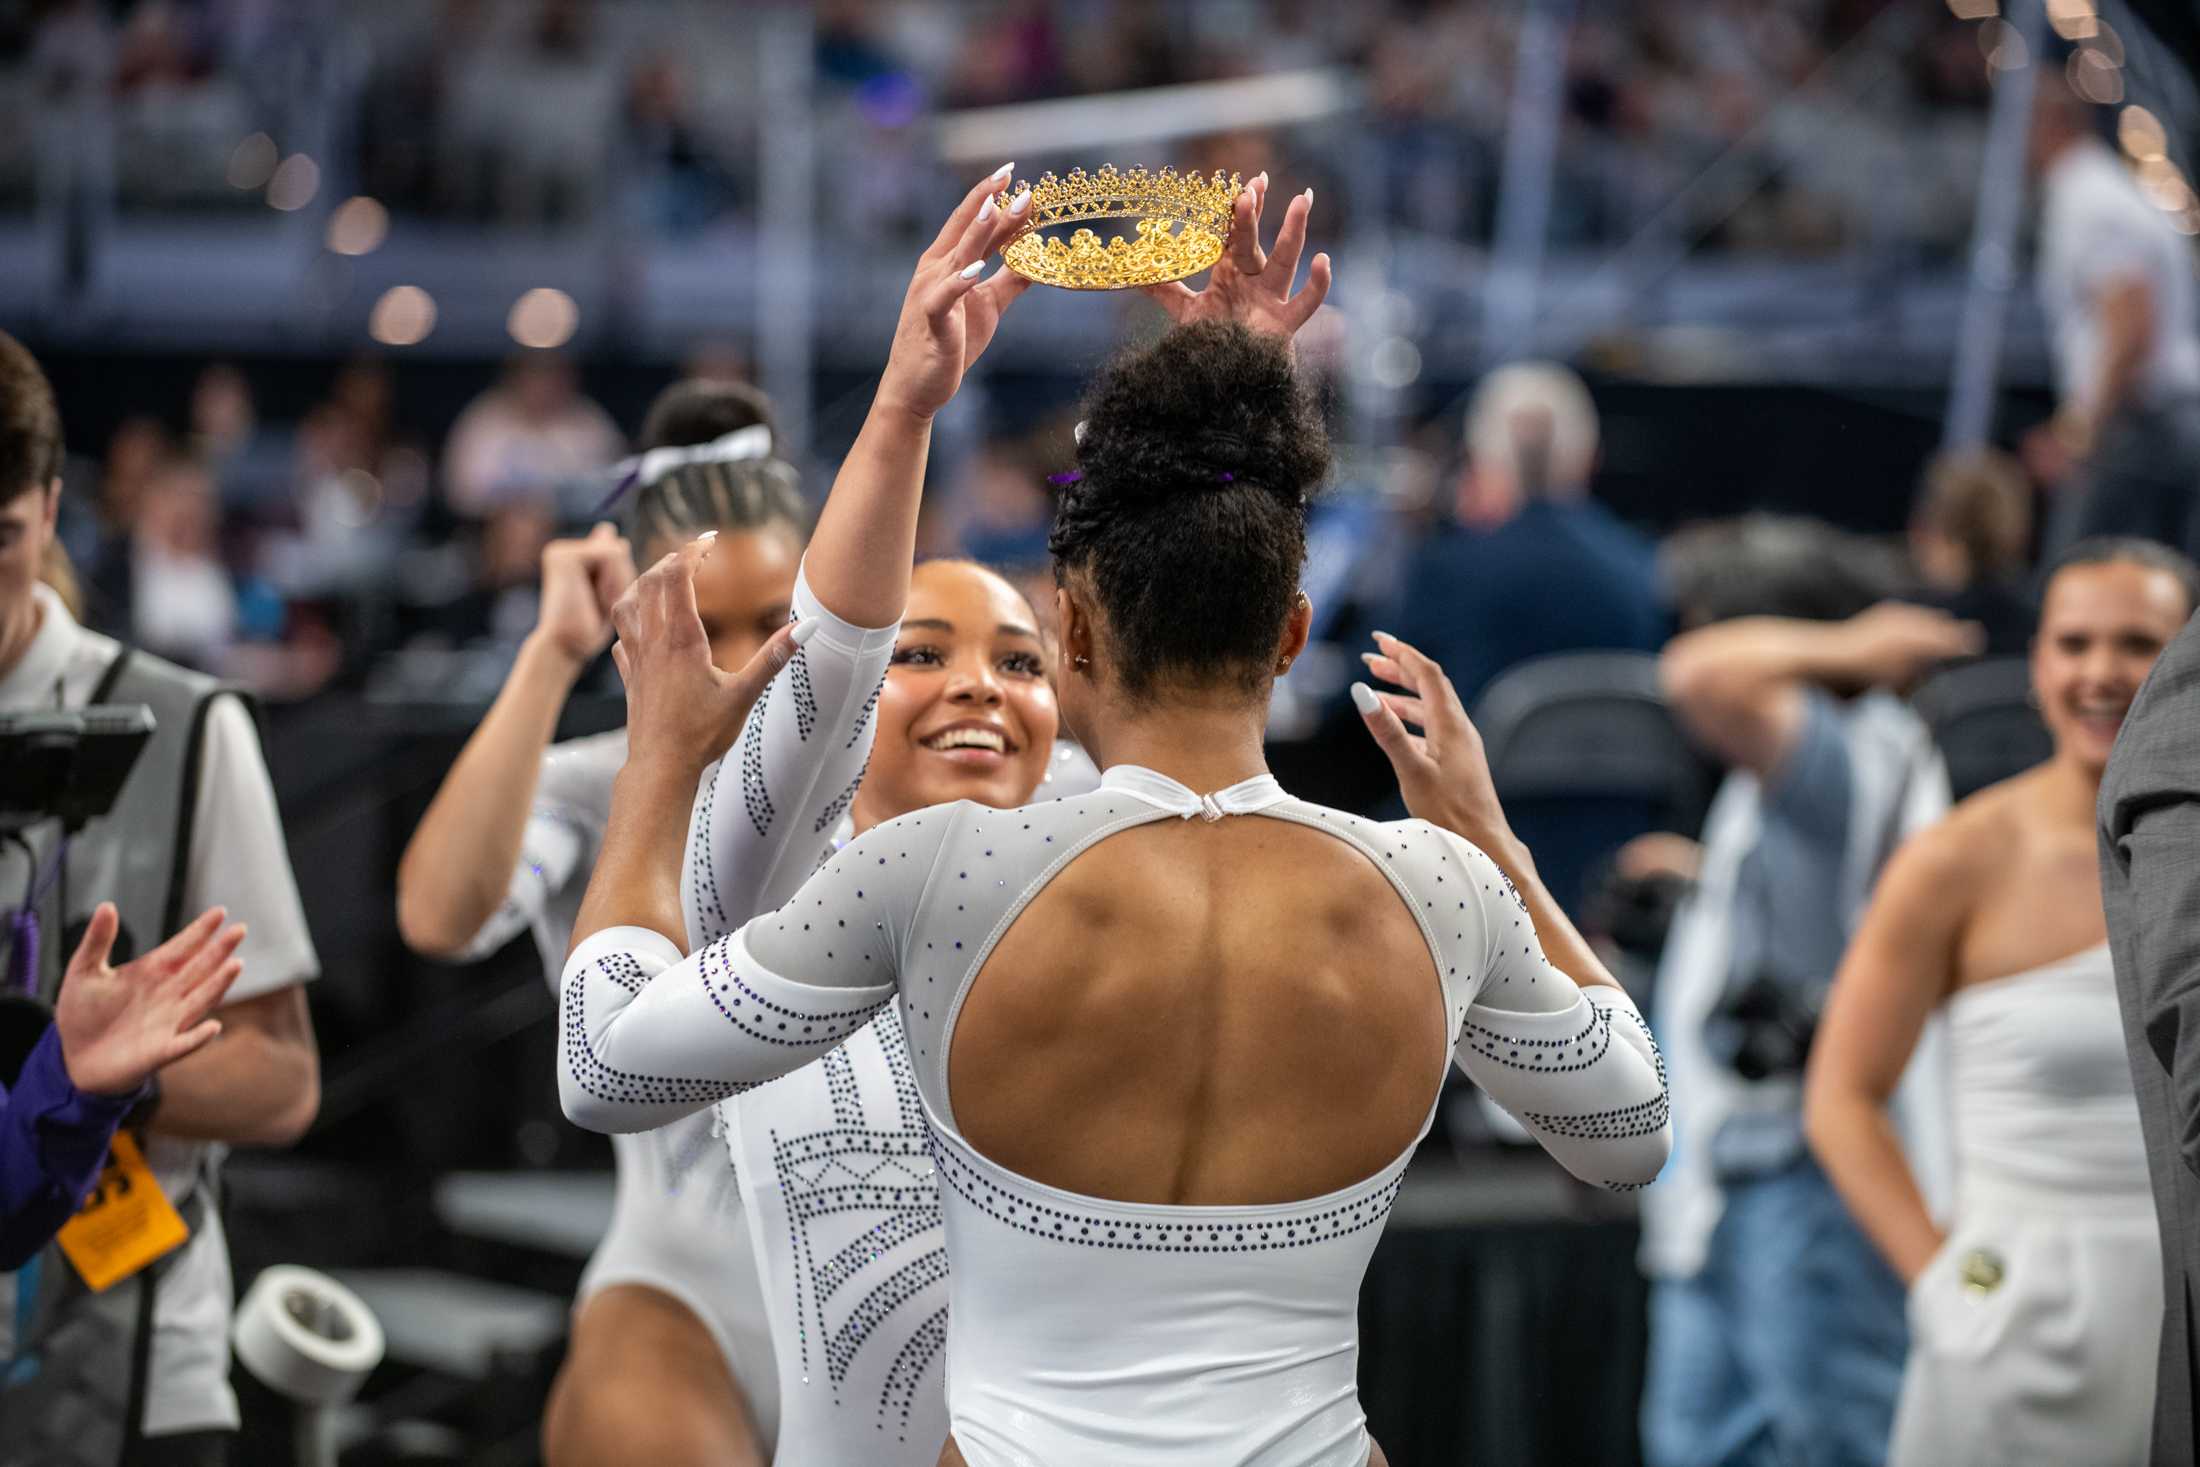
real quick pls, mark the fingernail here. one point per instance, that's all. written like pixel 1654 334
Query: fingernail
pixel 1021 202
pixel 972 270
pixel 708 535
pixel 1364 699
pixel 804 630
pixel 1310 196
pixel 1003 171
pixel 1384 637
pixel 1369 656
pixel 1261 178
pixel 985 210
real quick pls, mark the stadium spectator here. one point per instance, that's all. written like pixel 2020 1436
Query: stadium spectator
pixel 531 435
pixel 1971 545
pixel 2116 282
pixel 1532 565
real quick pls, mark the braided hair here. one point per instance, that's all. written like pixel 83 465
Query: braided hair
pixel 750 494
pixel 747 494
pixel 1186 519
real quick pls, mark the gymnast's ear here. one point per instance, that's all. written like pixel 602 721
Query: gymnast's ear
pixel 1073 637
pixel 1297 627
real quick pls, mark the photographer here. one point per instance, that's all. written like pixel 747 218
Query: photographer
pixel 1776 1330
pixel 112 1030
pixel 139 1370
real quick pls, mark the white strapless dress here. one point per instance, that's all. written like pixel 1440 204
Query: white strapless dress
pixel 2033 1330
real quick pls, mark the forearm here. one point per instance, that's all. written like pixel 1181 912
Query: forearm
pixel 258 1084
pixel 1855 1141
pixel 636 882
pixel 1741 660
pixel 860 554
pixel 1563 945
pixel 2127 333
pixel 458 865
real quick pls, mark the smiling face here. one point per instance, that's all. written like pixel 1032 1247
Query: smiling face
pixel 967 712
pixel 2101 627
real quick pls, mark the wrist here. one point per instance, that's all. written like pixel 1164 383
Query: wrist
pixel 543 656
pixel 651 774
pixel 895 414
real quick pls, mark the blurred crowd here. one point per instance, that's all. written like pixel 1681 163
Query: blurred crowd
pixel 565 112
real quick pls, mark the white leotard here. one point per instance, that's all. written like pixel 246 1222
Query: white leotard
pixel 677 1222
pixel 1086 1330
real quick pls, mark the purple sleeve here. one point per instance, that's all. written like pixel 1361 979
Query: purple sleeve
pixel 53 1138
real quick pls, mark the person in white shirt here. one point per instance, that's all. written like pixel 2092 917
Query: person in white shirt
pixel 256 1085
pixel 2116 283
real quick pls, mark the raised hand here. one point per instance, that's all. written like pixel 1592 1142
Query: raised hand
pixel 119 1025
pixel 947 317
pixel 1247 285
pixel 1442 771
pixel 581 579
pixel 681 711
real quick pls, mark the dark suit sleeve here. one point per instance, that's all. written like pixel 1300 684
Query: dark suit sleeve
pixel 2151 837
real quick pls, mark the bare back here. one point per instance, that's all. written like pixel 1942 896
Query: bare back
pixel 1229 1013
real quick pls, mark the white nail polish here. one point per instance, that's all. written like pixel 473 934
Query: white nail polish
pixel 985 210
pixel 972 270
pixel 708 535
pixel 1021 202
pixel 1384 637
pixel 804 630
pixel 1001 173
pixel 1310 196
pixel 1364 699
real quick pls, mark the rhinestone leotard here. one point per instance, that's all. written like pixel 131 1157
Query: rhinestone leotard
pixel 1087 1330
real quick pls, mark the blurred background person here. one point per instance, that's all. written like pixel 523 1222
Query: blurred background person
pixel 2122 452
pixel 532 435
pixel 196 827
pixel 1776 1331
pixel 1970 543
pixel 1526 564
pixel 2034 1308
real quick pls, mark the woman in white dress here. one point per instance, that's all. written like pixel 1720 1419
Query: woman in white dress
pixel 1174 1040
pixel 2033 1314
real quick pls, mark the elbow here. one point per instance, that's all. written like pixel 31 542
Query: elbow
pixel 428 926
pixel 1636 1162
pixel 593 1113
pixel 286 1124
pixel 1693 680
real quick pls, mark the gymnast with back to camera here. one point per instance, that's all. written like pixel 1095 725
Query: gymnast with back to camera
pixel 1173 1040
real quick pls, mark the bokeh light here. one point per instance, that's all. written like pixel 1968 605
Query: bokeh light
pixel 402 317
pixel 295 183
pixel 543 318
pixel 253 163
pixel 2140 134
pixel 358 226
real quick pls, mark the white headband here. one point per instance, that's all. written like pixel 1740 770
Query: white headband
pixel 754 441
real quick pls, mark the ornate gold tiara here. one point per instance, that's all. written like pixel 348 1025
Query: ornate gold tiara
pixel 1183 221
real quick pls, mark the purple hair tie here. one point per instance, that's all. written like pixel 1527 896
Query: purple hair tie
pixel 1067 476
pixel 1225 477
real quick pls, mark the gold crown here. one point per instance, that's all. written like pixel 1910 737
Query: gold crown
pixel 1183 222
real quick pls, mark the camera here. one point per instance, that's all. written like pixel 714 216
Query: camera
pixel 68 764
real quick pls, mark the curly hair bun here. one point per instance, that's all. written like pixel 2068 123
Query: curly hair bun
pixel 1187 520
pixel 1211 404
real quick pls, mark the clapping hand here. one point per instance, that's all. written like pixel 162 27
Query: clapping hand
pixel 947 317
pixel 581 579
pixel 119 1025
pixel 680 709
pixel 1248 286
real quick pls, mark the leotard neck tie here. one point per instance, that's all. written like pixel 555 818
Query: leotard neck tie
pixel 1242 798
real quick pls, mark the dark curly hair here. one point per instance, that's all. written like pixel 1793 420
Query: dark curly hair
pixel 1197 459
